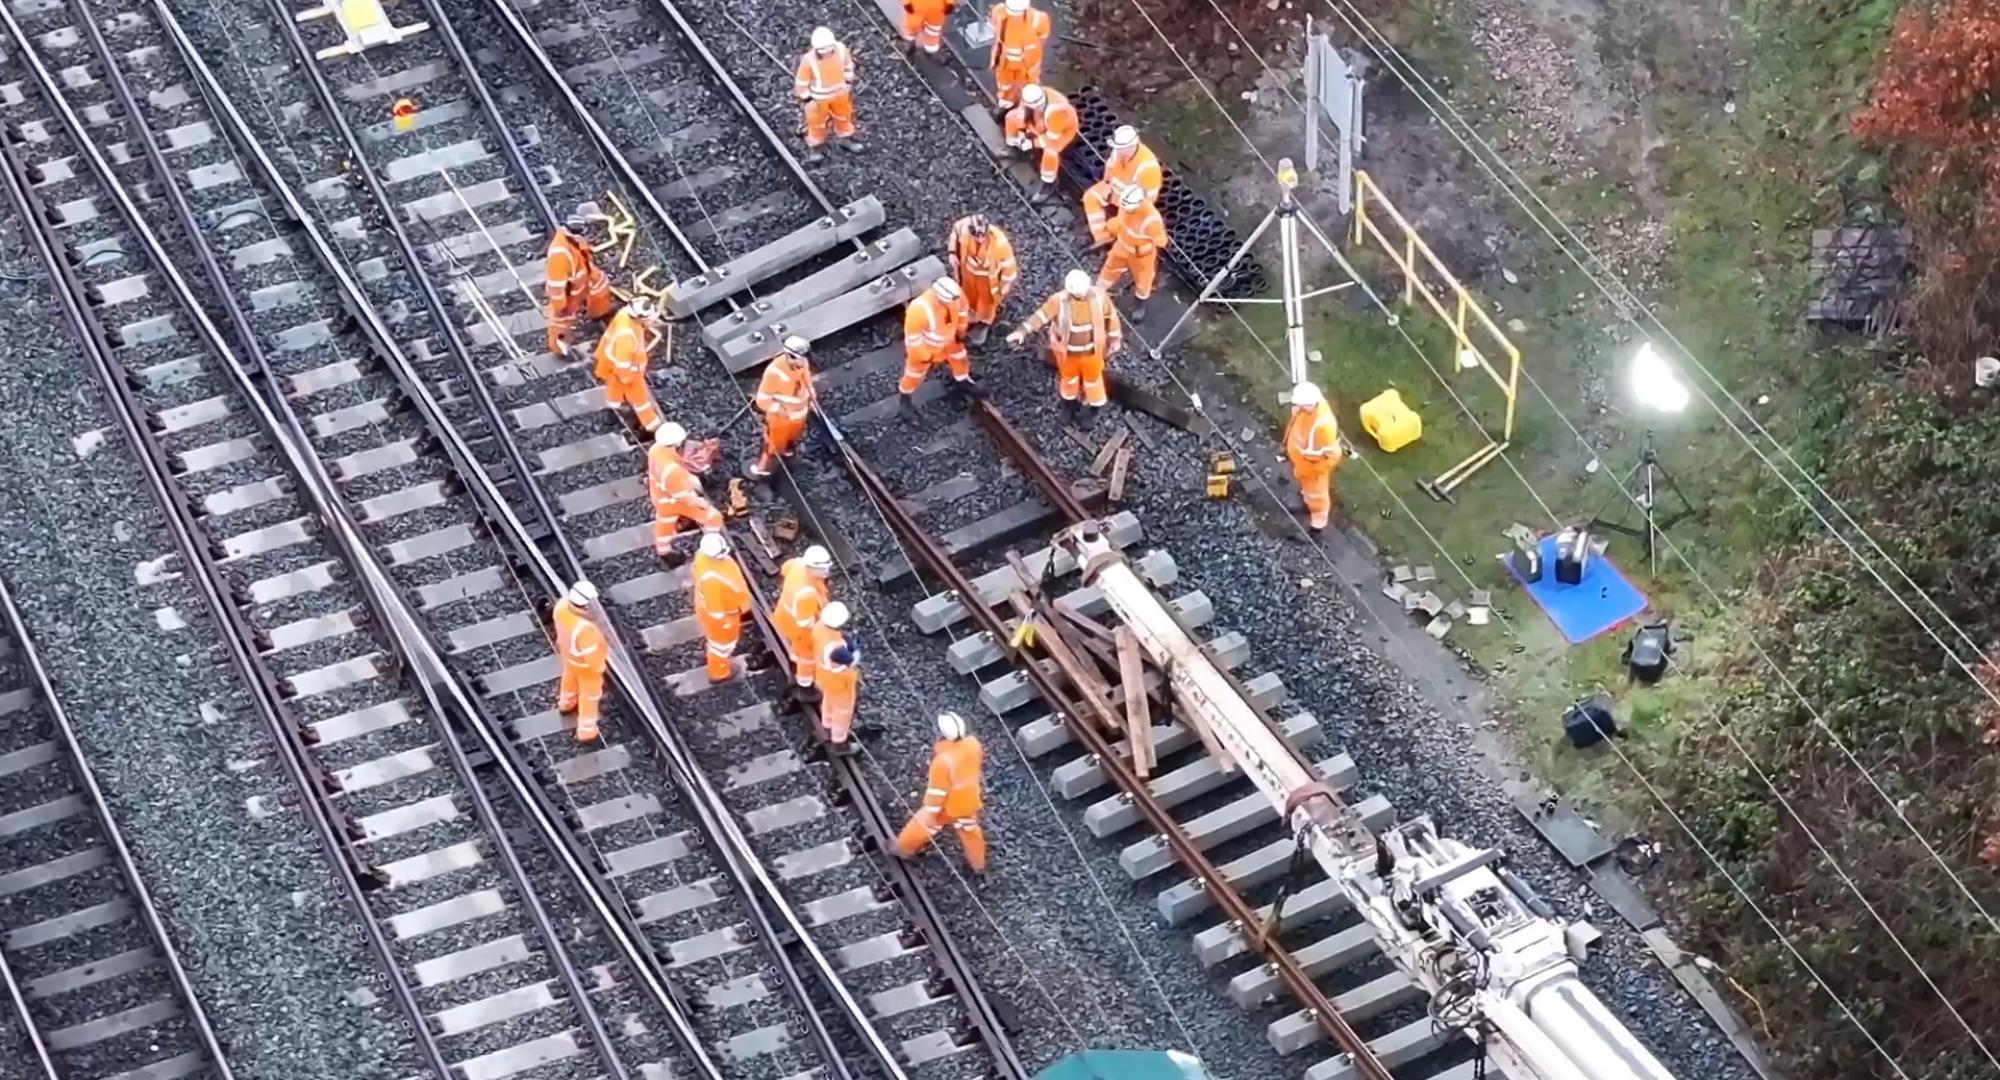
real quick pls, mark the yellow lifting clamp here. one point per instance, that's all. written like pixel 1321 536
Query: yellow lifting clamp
pixel 363 25
pixel 621 227
pixel 1024 635
pixel 1221 468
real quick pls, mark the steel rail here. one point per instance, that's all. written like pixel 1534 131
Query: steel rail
pixel 29 1029
pixel 308 780
pixel 1075 711
pixel 16 627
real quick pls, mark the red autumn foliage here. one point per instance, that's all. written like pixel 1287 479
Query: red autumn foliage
pixel 1937 100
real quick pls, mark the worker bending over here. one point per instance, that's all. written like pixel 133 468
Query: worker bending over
pixel 1131 165
pixel 1083 333
pixel 801 597
pixel 923 24
pixel 1043 123
pixel 1138 235
pixel 934 330
pixel 1312 443
pixel 825 85
pixel 981 260
pixel 576 284
pixel 622 354
pixel 952 796
pixel 584 653
pixel 676 492
pixel 838 675
pixel 1020 35
pixel 721 600
pixel 784 396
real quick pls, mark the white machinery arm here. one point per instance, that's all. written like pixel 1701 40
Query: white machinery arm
pixel 1496 962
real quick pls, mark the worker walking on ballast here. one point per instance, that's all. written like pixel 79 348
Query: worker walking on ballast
pixel 576 285
pixel 622 354
pixel 1138 235
pixel 923 24
pixel 1020 36
pixel 584 653
pixel 1084 333
pixel 802 595
pixel 1312 444
pixel 981 260
pixel 676 493
pixel 1044 123
pixel 721 601
pixel 838 674
pixel 934 331
pixel 824 84
pixel 952 797
pixel 785 397
pixel 1132 164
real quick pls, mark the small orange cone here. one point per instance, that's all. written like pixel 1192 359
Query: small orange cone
pixel 405 113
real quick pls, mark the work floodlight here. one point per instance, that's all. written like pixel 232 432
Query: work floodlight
pixel 1655 383
pixel 1656 386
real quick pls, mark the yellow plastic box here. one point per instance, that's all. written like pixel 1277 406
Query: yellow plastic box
pixel 1393 424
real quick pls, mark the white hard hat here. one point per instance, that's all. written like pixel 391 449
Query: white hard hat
pixel 1077 282
pixel 714 545
pixel 817 558
pixel 947 288
pixel 823 38
pixel 1305 395
pixel 834 615
pixel 582 593
pixel 1031 94
pixel 797 345
pixel 1017 7
pixel 670 434
pixel 1133 199
pixel 951 725
pixel 642 307
pixel 1125 137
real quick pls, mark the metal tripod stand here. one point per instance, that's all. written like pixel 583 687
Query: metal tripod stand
pixel 1642 486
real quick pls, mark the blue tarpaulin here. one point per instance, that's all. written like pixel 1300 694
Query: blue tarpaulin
pixel 1598 603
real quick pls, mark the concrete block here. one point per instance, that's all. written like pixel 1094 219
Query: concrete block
pixel 1144 858
pixel 885 293
pixel 1108 817
pixel 686 297
pixel 1294 1033
pixel 1026 518
pixel 970 654
pixel 1013 690
pixel 1325 956
pixel 1224 941
pixel 850 273
pixel 1183 901
pixel 935 613
pixel 1395 1050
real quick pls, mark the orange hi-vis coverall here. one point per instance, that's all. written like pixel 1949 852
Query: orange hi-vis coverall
pixel 923 22
pixel 952 798
pixel 1018 42
pixel 584 653
pixel 839 684
pixel 801 595
pixel 721 600
pixel 825 84
pixel 934 330
pixel 1139 168
pixel 784 396
pixel 1312 442
pixel 621 366
pixel 677 496
pixel 985 270
pixel 1083 334
pixel 576 285
pixel 1048 129
pixel 1138 236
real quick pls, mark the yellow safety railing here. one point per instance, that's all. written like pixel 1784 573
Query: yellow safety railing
pixel 1418 263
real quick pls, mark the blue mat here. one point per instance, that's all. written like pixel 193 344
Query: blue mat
pixel 1599 602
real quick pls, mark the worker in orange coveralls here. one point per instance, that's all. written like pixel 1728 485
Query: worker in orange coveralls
pixel 784 396
pixel 622 354
pixel 1020 34
pixel 825 84
pixel 721 600
pixel 981 260
pixel 838 675
pixel 1312 443
pixel 1131 164
pixel 676 494
pixel 584 653
pixel 576 284
pixel 923 23
pixel 1044 123
pixel 801 596
pixel 934 331
pixel 952 796
pixel 1084 333
pixel 1138 234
